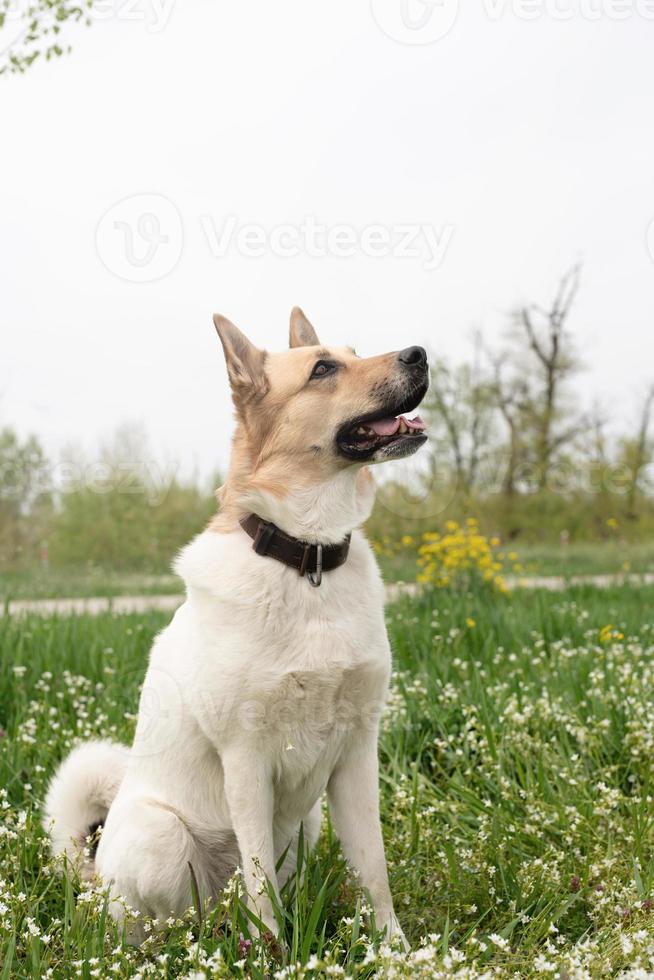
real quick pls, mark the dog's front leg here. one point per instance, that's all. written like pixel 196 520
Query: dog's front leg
pixel 249 793
pixel 353 793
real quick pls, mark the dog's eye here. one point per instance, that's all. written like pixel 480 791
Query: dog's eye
pixel 322 368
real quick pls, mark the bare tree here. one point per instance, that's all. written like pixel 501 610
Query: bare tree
pixel 512 398
pixel 461 410
pixel 637 452
pixel 592 452
pixel 24 495
pixel 550 348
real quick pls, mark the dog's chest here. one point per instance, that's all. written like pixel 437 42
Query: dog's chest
pixel 312 715
pixel 312 692
pixel 315 681
pixel 289 670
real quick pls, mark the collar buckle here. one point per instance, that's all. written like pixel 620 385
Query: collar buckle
pixel 271 542
pixel 316 578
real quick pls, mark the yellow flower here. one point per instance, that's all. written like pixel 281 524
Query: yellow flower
pixel 462 555
pixel 607 633
pixel 612 523
pixel 470 623
pixel 407 541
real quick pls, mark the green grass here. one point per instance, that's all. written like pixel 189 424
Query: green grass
pixel 598 558
pixel 517 799
pixel 55 583
pixel 584 558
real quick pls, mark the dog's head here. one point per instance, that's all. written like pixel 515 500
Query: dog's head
pixel 320 408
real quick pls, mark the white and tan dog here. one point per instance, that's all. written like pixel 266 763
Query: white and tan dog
pixel 264 691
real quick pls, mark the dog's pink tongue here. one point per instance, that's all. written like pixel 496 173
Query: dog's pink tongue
pixel 385 427
pixel 388 427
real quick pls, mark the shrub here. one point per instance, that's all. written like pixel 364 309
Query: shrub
pixel 461 556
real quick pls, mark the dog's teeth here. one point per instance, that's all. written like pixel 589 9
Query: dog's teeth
pixel 404 428
pixel 361 431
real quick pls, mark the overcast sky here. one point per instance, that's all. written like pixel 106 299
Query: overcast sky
pixel 273 153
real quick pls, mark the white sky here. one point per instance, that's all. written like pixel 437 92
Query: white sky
pixel 531 140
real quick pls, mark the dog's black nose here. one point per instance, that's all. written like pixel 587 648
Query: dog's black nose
pixel 413 357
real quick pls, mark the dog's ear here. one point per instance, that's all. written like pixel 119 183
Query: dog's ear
pixel 245 362
pixel 302 333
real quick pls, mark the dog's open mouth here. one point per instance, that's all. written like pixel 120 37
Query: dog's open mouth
pixel 383 435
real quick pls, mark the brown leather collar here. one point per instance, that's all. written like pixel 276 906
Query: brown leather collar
pixel 309 559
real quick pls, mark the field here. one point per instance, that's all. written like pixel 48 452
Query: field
pixel 398 564
pixel 46 583
pixel 517 799
pixel 582 558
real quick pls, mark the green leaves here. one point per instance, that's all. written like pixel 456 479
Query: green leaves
pixel 34 29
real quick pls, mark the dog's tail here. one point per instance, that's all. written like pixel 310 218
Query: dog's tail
pixel 78 800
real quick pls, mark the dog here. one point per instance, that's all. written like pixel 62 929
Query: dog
pixel 266 689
